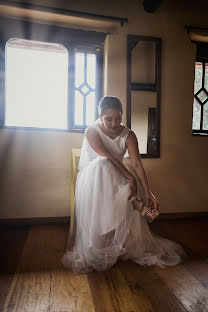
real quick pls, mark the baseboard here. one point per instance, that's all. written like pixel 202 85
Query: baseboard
pixel 34 221
pixel 66 220
pixel 182 215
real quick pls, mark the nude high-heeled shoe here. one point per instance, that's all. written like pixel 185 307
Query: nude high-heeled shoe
pixel 147 212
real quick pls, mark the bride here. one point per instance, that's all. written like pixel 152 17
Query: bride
pixel 109 219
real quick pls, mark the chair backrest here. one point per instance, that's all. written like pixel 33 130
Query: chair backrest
pixel 75 155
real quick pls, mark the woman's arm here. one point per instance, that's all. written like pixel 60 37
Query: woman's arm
pixel 133 149
pixel 97 145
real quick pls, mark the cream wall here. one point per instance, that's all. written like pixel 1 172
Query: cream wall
pixel 35 165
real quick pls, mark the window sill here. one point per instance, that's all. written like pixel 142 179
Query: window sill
pixel 42 129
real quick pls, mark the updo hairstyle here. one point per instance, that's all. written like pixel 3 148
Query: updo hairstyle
pixel 109 102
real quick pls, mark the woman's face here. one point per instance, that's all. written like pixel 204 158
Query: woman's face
pixel 111 119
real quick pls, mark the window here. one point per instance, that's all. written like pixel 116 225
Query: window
pixel 51 76
pixel 36 84
pixel 200 103
pixel 85 111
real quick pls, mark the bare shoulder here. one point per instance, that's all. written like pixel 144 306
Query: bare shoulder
pixel 91 133
pixel 90 130
pixel 131 138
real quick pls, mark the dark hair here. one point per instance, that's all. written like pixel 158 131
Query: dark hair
pixel 109 102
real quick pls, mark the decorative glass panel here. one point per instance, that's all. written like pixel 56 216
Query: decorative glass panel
pixel 79 103
pixel 205 119
pixel 91 63
pixel 198 77
pixel 196 116
pixel 85 88
pixel 79 69
pixel 90 108
pixel 36 84
pixel 206 77
pixel 202 96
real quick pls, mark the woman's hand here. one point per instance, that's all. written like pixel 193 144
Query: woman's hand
pixel 151 200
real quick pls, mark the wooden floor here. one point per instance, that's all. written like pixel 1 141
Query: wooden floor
pixel 33 278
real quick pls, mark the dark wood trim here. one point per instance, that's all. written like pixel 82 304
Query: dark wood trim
pixel 182 215
pixel 128 82
pixel 132 41
pixel 30 6
pixel 143 87
pixel 158 89
pixel 195 28
pixel 34 221
pixel 66 219
pixel 200 132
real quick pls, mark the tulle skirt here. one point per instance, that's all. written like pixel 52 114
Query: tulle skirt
pixel 108 227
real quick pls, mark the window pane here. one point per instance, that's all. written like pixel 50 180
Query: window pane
pixel 36 84
pixel 196 116
pixel 78 108
pixel 79 69
pixel 206 77
pixel 90 109
pixel 202 96
pixel 205 117
pixel 91 63
pixel 198 77
pixel 85 75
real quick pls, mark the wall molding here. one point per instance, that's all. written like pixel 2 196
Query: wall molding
pixel 66 220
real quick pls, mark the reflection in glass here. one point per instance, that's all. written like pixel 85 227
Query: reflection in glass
pixel 143 58
pixel 140 104
pixel 196 116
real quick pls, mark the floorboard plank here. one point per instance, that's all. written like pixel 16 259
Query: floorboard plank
pixel 156 290
pixel 12 240
pixel 41 283
pixel 112 293
pixel 192 235
pixel 189 291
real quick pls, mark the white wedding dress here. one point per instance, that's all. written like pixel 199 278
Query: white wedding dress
pixel 107 226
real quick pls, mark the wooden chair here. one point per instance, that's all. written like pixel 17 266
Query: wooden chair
pixel 75 155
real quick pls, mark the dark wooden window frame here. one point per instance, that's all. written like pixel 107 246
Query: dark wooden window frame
pixel 72 39
pixel 201 132
pixel 132 41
